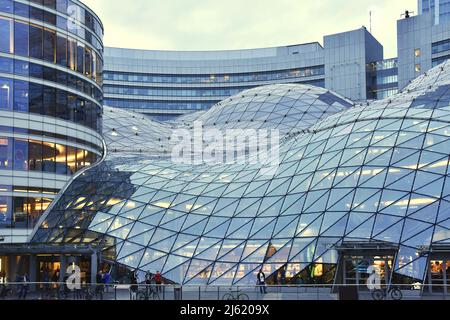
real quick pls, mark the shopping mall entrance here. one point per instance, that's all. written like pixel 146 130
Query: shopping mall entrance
pixel 438 275
pixel 355 260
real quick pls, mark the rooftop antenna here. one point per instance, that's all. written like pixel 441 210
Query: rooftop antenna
pixel 370 18
pixel 407 14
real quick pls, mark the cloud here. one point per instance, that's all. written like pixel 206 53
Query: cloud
pixel 238 24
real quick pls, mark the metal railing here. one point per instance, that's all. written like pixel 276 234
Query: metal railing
pixel 60 291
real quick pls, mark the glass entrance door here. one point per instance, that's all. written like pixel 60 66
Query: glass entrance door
pixel 439 276
pixel 356 269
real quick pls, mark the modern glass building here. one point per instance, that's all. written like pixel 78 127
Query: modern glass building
pixel 166 84
pixel 51 65
pixel 439 9
pixel 357 185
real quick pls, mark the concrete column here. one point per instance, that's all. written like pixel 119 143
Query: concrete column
pixel 62 273
pixel 32 272
pixel 94 267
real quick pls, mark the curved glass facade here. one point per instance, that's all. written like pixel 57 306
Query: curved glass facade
pixel 369 175
pixel 168 84
pixel 51 65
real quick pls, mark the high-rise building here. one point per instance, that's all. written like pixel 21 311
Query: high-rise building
pixel 439 9
pixel 51 61
pixel 166 84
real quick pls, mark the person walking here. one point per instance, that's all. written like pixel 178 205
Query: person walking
pixel 261 281
pixel 148 282
pixel 107 280
pixel 158 281
pixel 134 286
pixel 24 287
pixel 99 285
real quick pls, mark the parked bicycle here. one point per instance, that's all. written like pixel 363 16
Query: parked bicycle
pixel 235 295
pixel 393 291
pixel 5 291
pixel 148 294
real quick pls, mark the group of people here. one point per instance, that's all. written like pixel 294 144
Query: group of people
pixel 151 281
pixel 22 282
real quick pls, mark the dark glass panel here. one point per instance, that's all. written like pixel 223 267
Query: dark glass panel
pixel 21 38
pixel 35 155
pixel 20 211
pixel 20 154
pixel 48 157
pixel 36 98
pixel 21 94
pixel 21 67
pixel 5 35
pixel 80 56
pixel 21 9
pixel 6 93
pixel 6 153
pixel 50 101
pixel 49 45
pixel 36 14
pixel 49 74
pixel 6 65
pixel 36 41
pixel 50 4
pixel 61 104
pixel 6 6
pixel 61 50
pixel 5 211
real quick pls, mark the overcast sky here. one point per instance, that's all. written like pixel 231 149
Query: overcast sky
pixel 240 24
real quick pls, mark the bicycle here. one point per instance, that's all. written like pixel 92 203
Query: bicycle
pixel 239 296
pixel 381 294
pixel 148 294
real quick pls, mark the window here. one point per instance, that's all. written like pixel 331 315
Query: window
pixel 50 101
pixel 48 157
pixel 6 151
pixel 36 97
pixel 49 45
pixel 21 96
pixel 6 6
pixel 418 68
pixel 20 154
pixel 21 39
pixel 6 93
pixel 417 53
pixel 5 211
pixel 35 155
pixel 36 40
pixel 5 35
pixel 21 9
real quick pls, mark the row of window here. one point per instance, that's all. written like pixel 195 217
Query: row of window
pixel 29 69
pixel 32 155
pixel 159 105
pixel 382 94
pixel 33 41
pixel 45 134
pixel 382 65
pixel 216 78
pixel 22 212
pixel 172 92
pixel 78 17
pixel 35 98
pixel 440 46
pixel 438 61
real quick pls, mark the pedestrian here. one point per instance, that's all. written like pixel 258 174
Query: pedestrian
pixel 283 276
pixel 261 281
pixel 99 285
pixel 158 281
pixel 107 280
pixel 148 282
pixel 133 286
pixel 46 284
pixel 24 286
